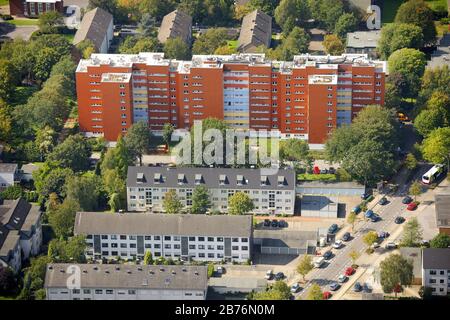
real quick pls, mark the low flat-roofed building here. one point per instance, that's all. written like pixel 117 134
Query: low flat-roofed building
pixel 414 255
pixel 319 206
pixel 271 194
pixel 442 207
pixel 96 26
pixel 287 242
pixel 436 270
pixel 330 188
pixel 176 24
pixel 363 42
pixel 176 236
pixel 256 30
pixel 126 282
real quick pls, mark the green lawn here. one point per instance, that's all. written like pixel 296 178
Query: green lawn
pixel 232 44
pixel 23 22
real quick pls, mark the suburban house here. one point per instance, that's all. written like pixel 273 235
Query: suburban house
pixel 271 194
pixel 33 8
pixel 176 24
pixel 126 282
pixel 26 171
pixel 9 173
pixel 436 270
pixel 96 26
pixel 414 255
pixel 442 207
pixel 363 42
pixel 20 232
pixel 177 236
pixel 256 30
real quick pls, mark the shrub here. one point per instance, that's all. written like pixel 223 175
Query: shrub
pixel 12 192
pixel 210 270
pixel 7 17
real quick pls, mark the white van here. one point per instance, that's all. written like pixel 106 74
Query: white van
pixel 318 262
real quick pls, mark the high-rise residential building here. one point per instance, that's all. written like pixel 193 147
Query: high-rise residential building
pixel 304 98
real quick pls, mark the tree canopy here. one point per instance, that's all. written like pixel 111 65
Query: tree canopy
pixel 240 203
pixel 395 270
pixel 396 36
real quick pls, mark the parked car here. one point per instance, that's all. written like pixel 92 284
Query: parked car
pixel 412 206
pixel 390 246
pixel 332 170
pixel 334 286
pixel 368 214
pixel 327 255
pixel 316 170
pixel 220 270
pixel 357 287
pixel 323 171
pixel 383 234
pixel 295 287
pixel 267 223
pixel 399 220
pixel 269 275
pixel 274 224
pixel 356 209
pixel 407 200
pixel 342 278
pixel 383 201
pixel 375 218
pixel 346 236
pixel 326 295
pixel 337 244
pixel 365 195
pixel 375 245
pixel 279 276
pixel 282 224
pixel 349 271
pixel 366 288
pixel 333 228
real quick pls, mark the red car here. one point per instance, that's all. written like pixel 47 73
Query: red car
pixel 327 295
pixel 412 206
pixel 316 170
pixel 349 271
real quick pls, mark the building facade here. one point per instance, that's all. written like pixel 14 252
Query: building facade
pixel 33 8
pixel 363 42
pixel 256 31
pixel 176 24
pixel 20 232
pixel 126 282
pixel 442 205
pixel 9 173
pixel 271 194
pixel 436 270
pixel 177 236
pixel 305 98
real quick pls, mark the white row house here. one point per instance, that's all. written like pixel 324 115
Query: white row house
pixel 176 236
pixel 125 282
pixel 436 270
pixel 271 193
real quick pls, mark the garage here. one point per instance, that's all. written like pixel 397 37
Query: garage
pixel 330 188
pixel 319 206
pixel 284 242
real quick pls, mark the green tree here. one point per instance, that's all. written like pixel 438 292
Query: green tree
pixel 208 42
pixel 412 233
pixel 86 48
pixel 291 13
pixel 410 161
pixel 51 179
pixel 167 133
pixel 176 48
pixel 429 120
pixel 352 218
pixel 73 153
pixel 63 218
pixel 200 200
pixel 148 258
pixel 70 250
pixel 240 203
pixel 326 12
pixel 305 265
pixel 50 21
pixel 315 292
pixel 7 281
pixel 210 270
pixel 333 45
pixel 45 141
pixel 267 6
pixel 436 146
pixel 156 8
pixel 395 270
pixel 34 277
pixel 171 202
pixel 354 255
pixel 396 36
pixel 417 12
pixel 147 25
pixel 295 43
pixel 278 291
pixel 434 80
pixel 138 139
pixel 295 150
pixel 441 240
pixel 411 64
pixel 6 122
pixel 8 79
pixel 84 191
pixel 137 44
pixel 345 24
pixel 370 238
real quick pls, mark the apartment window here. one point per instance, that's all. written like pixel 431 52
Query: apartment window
pixel 122 94
pixel 167 238
pixel 86 291
pixel 123 237
pixel 109 291
pixel 131 291
pixel 98 291
pixel 433 272
pixel 210 239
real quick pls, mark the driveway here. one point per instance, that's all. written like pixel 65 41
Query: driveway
pixel 16 32
pixel 73 21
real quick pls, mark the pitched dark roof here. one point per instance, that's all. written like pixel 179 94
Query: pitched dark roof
pixel 8 167
pixel 175 24
pixel 129 276
pixel 434 258
pixel 94 27
pixel 442 205
pixel 256 30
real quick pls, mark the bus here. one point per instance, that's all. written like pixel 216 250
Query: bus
pixel 431 175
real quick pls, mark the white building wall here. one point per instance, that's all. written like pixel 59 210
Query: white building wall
pixel 6 179
pixel 437 280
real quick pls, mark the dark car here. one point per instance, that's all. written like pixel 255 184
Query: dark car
pixel 323 171
pixel 274 223
pixel 333 228
pixel 346 236
pixel 279 276
pixel 375 218
pixel 383 201
pixel 369 214
pixel 334 286
pixel 357 287
pixel 366 288
pixel 407 200
pixel 282 224
pixel 332 170
pixel 266 223
pixel 399 220
pixel 356 209
pixel 383 234
pixel 366 195
pixel 327 255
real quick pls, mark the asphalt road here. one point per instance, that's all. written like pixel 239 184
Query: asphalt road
pixel 336 266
